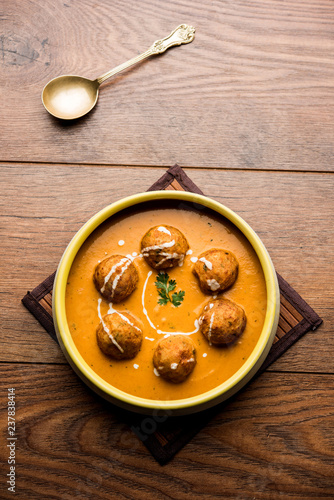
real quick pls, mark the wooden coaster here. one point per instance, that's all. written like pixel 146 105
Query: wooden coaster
pixel 165 436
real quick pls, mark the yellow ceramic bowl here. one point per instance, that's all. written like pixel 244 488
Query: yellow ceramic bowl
pixel 180 406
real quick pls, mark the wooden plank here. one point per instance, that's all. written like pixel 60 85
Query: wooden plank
pixel 279 334
pixel 48 299
pixel 177 186
pixel 46 306
pixel 289 318
pixel 254 90
pixel 72 444
pixel 289 307
pixel 284 325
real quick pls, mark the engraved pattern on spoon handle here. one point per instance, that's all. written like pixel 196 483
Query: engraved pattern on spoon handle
pixel 181 34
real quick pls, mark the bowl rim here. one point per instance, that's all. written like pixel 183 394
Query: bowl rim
pixel 81 366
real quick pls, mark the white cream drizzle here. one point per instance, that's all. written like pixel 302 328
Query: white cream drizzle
pixel 111 272
pixel 148 338
pixel 206 262
pixel 196 324
pixel 210 326
pixel 125 260
pixel 135 366
pixel 121 243
pixel 213 284
pixel 170 256
pixel 194 259
pixel 204 354
pixel 161 332
pixel 105 328
pixel 156 373
pixel 111 310
pixel 158 247
pixel 181 259
pixel 174 366
pixel 143 300
pixel 163 229
pixel 166 255
pixel 118 277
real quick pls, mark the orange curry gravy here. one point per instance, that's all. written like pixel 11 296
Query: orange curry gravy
pixel 122 235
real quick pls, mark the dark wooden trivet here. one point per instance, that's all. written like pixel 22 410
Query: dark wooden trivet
pixel 164 435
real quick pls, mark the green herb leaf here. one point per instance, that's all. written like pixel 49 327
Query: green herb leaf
pixel 171 285
pixel 161 280
pixel 163 298
pixel 165 286
pixel 177 298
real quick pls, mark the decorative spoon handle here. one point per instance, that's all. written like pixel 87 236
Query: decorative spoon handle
pixel 181 34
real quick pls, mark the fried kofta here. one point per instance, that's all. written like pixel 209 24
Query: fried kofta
pixel 119 335
pixel 175 358
pixel 116 277
pixel 222 321
pixel 216 270
pixel 164 247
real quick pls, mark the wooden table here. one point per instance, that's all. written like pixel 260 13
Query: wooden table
pixel 247 110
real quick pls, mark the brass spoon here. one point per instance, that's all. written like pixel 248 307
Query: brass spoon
pixel 69 97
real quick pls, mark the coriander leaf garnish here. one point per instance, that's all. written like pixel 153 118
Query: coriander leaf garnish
pixel 177 298
pixel 162 280
pixel 171 285
pixel 165 286
pixel 164 299
pixel 162 286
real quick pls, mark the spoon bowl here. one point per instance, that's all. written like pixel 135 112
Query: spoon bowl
pixel 69 97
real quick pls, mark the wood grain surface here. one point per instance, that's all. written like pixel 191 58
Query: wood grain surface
pixel 72 446
pixel 254 90
pixel 247 110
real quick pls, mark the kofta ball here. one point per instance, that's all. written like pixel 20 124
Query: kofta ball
pixel 175 358
pixel 216 270
pixel 119 335
pixel 116 277
pixel 222 321
pixel 164 247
